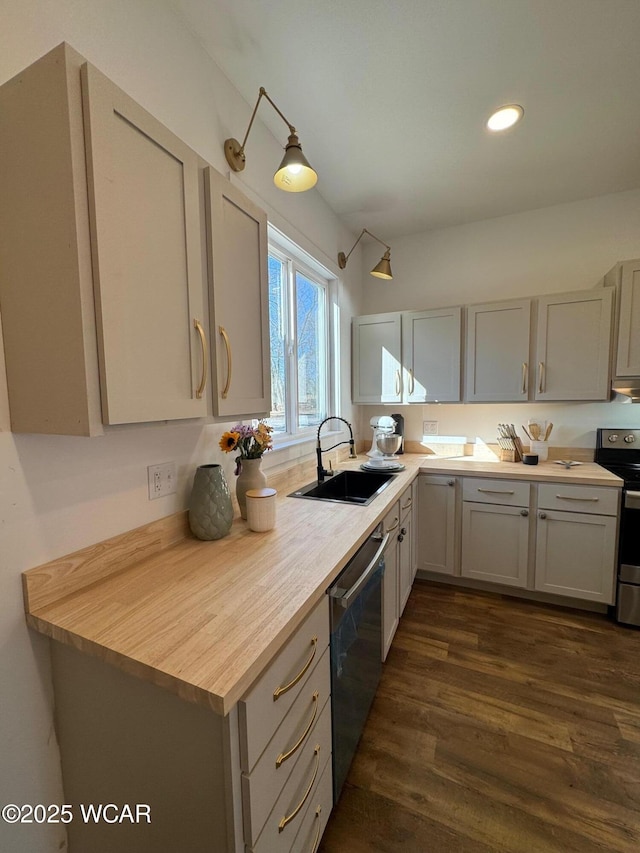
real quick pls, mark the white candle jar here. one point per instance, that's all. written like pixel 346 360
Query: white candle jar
pixel 261 509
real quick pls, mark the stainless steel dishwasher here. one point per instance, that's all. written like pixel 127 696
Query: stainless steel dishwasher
pixel 356 649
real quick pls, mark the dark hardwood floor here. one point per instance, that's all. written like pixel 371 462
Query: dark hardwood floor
pixel 499 725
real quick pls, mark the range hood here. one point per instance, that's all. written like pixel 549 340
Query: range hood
pixel 629 386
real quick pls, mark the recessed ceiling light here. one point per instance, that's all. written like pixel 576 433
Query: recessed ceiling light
pixel 505 117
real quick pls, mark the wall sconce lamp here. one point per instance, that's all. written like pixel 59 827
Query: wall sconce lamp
pixel 381 269
pixel 294 173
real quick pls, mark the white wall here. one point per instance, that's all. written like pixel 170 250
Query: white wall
pixel 556 249
pixel 58 494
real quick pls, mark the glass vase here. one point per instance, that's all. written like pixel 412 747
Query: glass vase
pixel 251 476
pixel 210 507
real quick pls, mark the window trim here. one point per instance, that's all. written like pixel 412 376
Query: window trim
pixel 298 259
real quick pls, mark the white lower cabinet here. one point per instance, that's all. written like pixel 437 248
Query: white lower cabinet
pixel 406 549
pixel 495 531
pixel 436 523
pixel 552 538
pixel 495 542
pixel 252 780
pixel 576 548
pixel 390 585
pixel 400 564
pixel 285 740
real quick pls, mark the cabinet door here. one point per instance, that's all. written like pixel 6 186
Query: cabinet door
pixel 498 351
pixel 405 560
pixel 431 355
pixel 436 523
pixel 495 543
pixel 628 356
pixel 238 300
pixel 144 209
pixel 390 580
pixel 573 346
pixel 376 354
pixel 576 555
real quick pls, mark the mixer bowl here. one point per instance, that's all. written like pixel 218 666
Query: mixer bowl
pixel 388 444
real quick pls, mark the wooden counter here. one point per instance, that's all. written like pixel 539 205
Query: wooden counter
pixel 202 619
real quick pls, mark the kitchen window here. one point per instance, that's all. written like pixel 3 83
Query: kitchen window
pixel 300 338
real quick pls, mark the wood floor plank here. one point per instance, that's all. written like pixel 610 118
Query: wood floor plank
pixel 500 726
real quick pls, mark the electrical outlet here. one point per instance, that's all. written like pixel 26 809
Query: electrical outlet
pixel 162 480
pixel 429 427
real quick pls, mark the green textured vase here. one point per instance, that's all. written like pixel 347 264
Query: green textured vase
pixel 210 508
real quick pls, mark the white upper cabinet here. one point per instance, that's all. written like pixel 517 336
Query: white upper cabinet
pixel 628 350
pixel 376 358
pixel 431 343
pixel 148 277
pixel 497 363
pixel 238 300
pixel 101 277
pixel 573 346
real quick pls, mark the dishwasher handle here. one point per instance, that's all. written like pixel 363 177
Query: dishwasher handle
pixel 345 597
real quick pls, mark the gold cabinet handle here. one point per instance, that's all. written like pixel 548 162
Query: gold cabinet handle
pixel 573 498
pixel 285 755
pixel 495 492
pixel 396 522
pixel 524 377
pixel 540 377
pixel 227 344
pixel 283 689
pixel 288 818
pixel 408 504
pixel 205 360
pixel 316 840
pixel 411 381
pixel 398 383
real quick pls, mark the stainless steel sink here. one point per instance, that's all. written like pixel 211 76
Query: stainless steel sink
pixel 351 487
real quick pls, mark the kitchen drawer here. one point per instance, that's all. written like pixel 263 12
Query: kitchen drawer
pixel 503 492
pixel 262 786
pixel 406 501
pixel 316 817
pixel 300 790
pixel 391 520
pixel 593 499
pixel 260 713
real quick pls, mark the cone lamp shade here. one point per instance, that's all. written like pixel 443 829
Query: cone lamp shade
pixel 295 175
pixel 383 268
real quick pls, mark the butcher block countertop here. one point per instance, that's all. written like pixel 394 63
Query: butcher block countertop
pixel 203 619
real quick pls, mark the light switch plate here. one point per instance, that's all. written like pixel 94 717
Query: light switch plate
pixel 430 427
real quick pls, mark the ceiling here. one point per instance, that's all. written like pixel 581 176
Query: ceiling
pixel 390 99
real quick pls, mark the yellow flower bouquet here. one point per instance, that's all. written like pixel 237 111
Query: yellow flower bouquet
pixel 250 441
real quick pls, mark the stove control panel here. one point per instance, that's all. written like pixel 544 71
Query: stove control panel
pixel 619 439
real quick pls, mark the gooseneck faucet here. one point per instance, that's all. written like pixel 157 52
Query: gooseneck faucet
pixel 322 472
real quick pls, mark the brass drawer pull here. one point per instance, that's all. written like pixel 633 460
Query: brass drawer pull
pixel 205 360
pixel 412 381
pixel 396 522
pixel 572 498
pixel 495 492
pixel 408 504
pixel 227 344
pixel 541 377
pixel 524 377
pixel 280 690
pixel 285 755
pixel 288 818
pixel 398 383
pixel 316 840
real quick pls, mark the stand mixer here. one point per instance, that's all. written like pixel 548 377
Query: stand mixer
pixel 385 443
